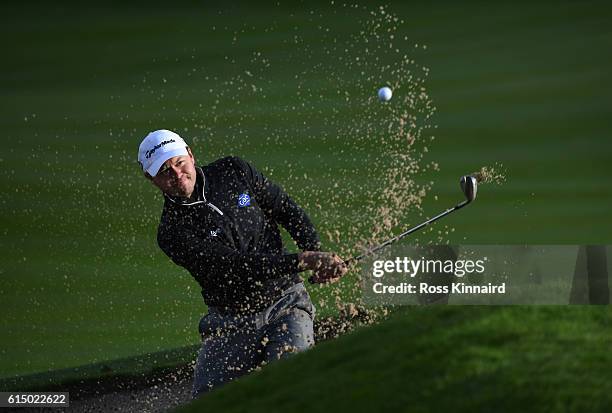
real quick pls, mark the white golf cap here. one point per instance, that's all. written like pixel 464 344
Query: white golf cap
pixel 157 147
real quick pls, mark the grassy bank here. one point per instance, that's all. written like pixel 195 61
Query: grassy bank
pixel 509 359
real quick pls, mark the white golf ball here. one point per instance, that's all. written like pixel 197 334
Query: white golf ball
pixel 384 94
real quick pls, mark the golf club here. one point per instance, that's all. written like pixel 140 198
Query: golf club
pixel 469 188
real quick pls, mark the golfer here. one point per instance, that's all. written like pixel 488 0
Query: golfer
pixel 220 222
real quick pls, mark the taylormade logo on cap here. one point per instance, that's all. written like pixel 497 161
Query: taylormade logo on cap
pixel 157 147
pixel 150 152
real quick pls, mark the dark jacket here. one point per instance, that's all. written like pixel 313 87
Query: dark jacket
pixel 227 236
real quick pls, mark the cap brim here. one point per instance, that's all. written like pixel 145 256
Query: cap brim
pixel 154 168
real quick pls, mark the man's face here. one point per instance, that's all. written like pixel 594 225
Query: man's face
pixel 177 176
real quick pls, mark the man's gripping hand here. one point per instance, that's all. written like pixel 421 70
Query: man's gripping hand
pixel 326 266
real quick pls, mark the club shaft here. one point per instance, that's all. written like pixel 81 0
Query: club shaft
pixel 406 233
pixel 400 236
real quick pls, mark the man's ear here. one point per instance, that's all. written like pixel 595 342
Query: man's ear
pixel 190 153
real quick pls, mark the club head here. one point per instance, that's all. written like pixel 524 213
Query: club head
pixel 469 187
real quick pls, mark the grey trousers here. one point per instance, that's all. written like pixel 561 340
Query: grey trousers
pixel 233 345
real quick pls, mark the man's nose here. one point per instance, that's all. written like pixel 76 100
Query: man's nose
pixel 176 171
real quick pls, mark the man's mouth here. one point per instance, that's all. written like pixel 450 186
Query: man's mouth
pixel 183 180
pixel 182 185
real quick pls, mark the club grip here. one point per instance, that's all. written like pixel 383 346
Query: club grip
pixel 348 263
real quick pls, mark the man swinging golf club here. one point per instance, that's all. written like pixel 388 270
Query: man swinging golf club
pixel 220 222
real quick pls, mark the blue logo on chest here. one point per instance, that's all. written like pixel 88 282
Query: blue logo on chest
pixel 244 200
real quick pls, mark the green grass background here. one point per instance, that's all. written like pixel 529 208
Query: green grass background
pixel 526 85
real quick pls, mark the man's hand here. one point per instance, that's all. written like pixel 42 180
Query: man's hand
pixel 327 267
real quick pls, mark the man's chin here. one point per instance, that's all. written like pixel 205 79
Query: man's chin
pixel 182 193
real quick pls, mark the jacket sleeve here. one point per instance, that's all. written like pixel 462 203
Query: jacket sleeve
pixel 276 203
pixel 222 264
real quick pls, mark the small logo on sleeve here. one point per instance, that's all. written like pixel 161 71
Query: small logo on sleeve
pixel 244 200
pixel 216 232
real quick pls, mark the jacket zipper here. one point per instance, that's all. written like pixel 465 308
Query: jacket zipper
pixel 211 205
